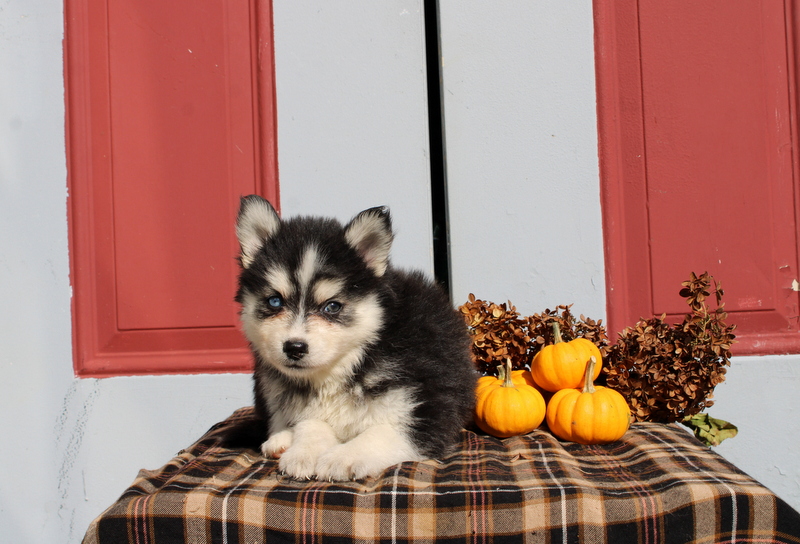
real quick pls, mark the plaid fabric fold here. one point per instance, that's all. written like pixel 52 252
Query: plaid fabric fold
pixel 657 485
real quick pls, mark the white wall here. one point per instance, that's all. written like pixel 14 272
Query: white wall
pixel 352 134
pixel 761 395
pixel 521 134
pixel 351 111
pixel 352 115
pixel 34 287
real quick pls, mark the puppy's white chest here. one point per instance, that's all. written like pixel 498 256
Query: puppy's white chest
pixel 349 413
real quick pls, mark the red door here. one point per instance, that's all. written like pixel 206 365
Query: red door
pixel 697 121
pixel 170 120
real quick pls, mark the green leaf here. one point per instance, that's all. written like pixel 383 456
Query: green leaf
pixel 709 430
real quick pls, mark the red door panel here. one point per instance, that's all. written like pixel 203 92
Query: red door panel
pixel 171 120
pixel 696 129
pixel 177 140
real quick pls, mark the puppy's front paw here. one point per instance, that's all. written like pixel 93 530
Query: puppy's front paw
pixel 311 439
pixel 277 443
pixel 368 454
pixel 345 462
pixel 336 464
pixel 299 461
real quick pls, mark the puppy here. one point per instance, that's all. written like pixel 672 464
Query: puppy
pixel 358 366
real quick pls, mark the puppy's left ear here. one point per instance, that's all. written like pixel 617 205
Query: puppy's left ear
pixel 370 234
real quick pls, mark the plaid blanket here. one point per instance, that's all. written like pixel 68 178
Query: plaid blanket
pixel 656 485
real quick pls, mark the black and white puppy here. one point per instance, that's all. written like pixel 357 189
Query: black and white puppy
pixel 358 366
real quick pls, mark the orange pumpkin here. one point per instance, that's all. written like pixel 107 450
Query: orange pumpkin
pixel 561 365
pixel 508 405
pixel 518 377
pixel 594 415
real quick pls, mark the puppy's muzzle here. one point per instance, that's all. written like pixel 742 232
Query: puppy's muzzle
pixel 295 349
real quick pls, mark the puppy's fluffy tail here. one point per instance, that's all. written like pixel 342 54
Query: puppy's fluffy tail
pixel 245 429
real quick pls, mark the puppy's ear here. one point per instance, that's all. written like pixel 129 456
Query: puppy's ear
pixel 370 234
pixel 256 223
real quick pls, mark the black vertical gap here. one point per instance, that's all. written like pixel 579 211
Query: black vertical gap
pixel 433 61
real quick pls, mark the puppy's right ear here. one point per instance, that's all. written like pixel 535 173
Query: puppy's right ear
pixel 256 223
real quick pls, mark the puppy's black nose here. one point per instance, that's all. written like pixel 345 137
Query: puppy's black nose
pixel 295 349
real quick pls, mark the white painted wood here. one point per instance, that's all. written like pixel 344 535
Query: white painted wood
pixel 352 115
pixel 521 133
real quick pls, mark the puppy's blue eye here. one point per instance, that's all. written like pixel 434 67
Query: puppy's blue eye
pixel 275 302
pixel 332 307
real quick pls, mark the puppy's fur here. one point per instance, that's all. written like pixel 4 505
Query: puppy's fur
pixel 358 366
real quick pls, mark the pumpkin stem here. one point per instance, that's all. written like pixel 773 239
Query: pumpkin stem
pixel 556 333
pixel 588 383
pixel 504 373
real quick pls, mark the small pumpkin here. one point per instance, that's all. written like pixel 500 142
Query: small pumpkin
pixel 518 377
pixel 507 405
pixel 594 415
pixel 561 365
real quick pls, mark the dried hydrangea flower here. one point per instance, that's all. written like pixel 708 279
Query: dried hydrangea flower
pixel 668 372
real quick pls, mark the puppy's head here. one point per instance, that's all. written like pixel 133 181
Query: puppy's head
pixel 309 288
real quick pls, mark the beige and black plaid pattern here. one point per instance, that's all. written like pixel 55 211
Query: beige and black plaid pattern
pixel 656 485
